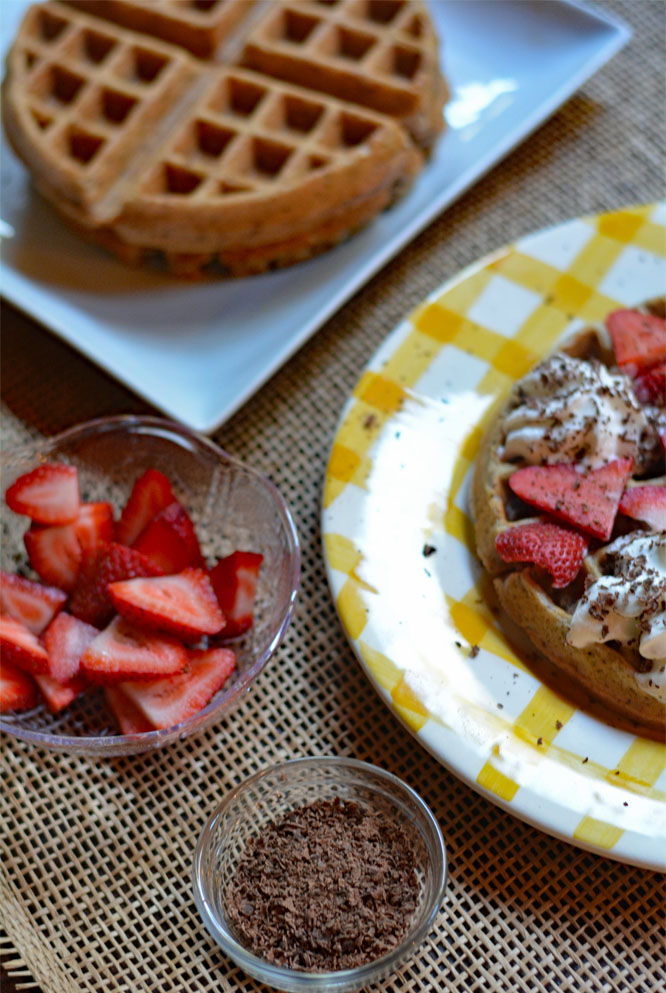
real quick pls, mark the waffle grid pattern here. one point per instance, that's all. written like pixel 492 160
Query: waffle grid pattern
pixel 506 348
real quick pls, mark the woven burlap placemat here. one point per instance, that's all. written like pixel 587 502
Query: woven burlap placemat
pixel 96 857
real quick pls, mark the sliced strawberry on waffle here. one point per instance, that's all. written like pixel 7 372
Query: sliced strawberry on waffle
pixel 234 580
pixel 650 386
pixel 647 504
pixel 639 340
pixel 58 695
pixel 20 647
pixel 65 641
pixel 171 541
pixel 183 604
pixel 588 500
pixel 17 690
pixel 111 563
pixel 167 702
pixel 551 547
pixel 48 494
pixel 150 494
pixel 123 651
pixel 128 717
pixel 34 604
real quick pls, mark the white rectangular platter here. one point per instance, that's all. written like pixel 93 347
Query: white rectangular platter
pixel 198 351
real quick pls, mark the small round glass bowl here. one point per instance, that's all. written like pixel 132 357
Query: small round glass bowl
pixel 232 507
pixel 270 794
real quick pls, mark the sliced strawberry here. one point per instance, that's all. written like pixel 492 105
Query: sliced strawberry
pixel 94 526
pixel 59 695
pixel 122 651
pixel 34 604
pixel 54 553
pixel 646 503
pixel 167 702
pixel 129 718
pixel 587 500
pixel 171 541
pixel 90 600
pixel 650 386
pixel 17 690
pixel 20 647
pixel 65 641
pixel 150 494
pixel 48 494
pixel 234 580
pixel 556 549
pixel 638 339
pixel 183 604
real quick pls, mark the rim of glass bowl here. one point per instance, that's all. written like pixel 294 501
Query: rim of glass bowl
pixel 342 979
pixel 125 744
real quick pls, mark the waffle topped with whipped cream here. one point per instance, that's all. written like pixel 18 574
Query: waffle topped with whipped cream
pixel 226 136
pixel 569 500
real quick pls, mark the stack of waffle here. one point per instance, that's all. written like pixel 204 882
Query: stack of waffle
pixel 224 135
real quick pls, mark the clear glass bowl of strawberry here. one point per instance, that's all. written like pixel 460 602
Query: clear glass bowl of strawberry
pixel 145 583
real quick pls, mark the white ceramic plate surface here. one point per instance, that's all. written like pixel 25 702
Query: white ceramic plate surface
pixel 398 538
pixel 197 352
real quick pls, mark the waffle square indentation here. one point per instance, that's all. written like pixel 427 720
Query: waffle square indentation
pixel 49 26
pixel 83 145
pixel 383 11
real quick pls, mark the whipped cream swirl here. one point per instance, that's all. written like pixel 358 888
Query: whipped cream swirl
pixel 629 604
pixel 575 410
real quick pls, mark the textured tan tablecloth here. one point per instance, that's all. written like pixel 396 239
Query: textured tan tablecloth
pixel 96 857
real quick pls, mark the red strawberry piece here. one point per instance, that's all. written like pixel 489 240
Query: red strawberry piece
pixel 646 503
pixel 650 386
pixel 17 690
pixel 150 494
pixel 171 541
pixel 59 695
pixel 587 500
pixel 65 641
pixel 48 494
pixel 34 604
pixel 20 647
pixel 94 526
pixel 167 702
pixel 234 580
pixel 638 339
pixel 54 553
pixel 129 718
pixel 556 549
pixel 123 651
pixel 90 600
pixel 183 604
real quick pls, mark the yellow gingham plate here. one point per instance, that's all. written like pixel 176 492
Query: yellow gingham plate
pixel 398 541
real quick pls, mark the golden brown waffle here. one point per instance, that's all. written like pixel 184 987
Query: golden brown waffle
pixel 599 677
pixel 144 148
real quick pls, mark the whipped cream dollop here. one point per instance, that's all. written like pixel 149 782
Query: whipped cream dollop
pixel 629 604
pixel 576 410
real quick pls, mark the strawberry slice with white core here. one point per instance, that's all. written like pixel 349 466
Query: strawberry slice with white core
pixel 167 702
pixel 234 580
pixel 48 494
pixel 171 541
pixel 588 500
pixel 128 717
pixel 54 553
pixel 183 604
pixel 57 695
pixel 639 340
pixel 33 604
pixel 123 651
pixel 150 494
pixel 17 690
pixel 94 525
pixel 20 647
pixel 65 641
pixel 647 504
pixel 556 549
